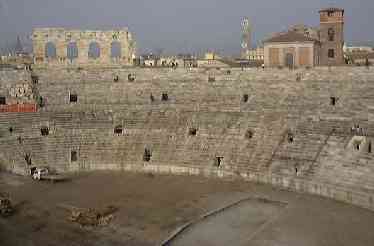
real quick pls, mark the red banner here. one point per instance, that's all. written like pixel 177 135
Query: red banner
pixel 18 108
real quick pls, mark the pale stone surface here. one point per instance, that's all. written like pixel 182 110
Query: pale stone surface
pixel 321 158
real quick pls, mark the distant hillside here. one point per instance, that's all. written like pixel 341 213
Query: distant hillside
pixel 362 43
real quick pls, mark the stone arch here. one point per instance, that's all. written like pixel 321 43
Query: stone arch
pixel 115 50
pixel 50 50
pixel 72 51
pixel 94 50
pixel 290 60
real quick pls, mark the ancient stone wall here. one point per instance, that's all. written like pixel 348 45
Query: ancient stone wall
pixel 16 87
pixel 62 47
pixel 305 130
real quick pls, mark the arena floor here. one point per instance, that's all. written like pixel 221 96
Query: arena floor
pixel 152 206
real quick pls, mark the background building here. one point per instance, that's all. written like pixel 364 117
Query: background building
pixel 331 36
pixel 305 46
pixel 256 54
pixel 246 37
pixel 291 49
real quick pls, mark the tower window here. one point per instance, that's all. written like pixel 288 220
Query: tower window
pixel 245 98
pixel 116 78
pixel 73 98
pixel 331 34
pixel 331 53
pixel 2 100
pixel 73 156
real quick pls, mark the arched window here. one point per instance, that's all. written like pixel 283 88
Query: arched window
pixel 331 34
pixel 72 51
pixel 94 50
pixel 50 50
pixel 115 49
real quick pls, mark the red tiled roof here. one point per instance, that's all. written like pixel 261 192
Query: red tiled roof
pixel 289 37
pixel 331 10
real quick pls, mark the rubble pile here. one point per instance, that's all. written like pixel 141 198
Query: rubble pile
pixel 93 217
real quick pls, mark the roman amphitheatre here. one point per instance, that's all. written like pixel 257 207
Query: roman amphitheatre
pixel 188 156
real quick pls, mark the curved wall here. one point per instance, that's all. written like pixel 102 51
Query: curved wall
pixel 308 130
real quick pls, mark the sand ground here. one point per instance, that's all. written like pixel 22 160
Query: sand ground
pixel 152 206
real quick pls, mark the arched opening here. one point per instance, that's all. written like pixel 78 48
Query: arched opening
pixel 50 50
pixel 44 130
pixel 72 51
pixel 289 60
pixel 118 130
pixel 94 50
pixel 192 131
pixel 73 156
pixel 249 134
pixel 333 101
pixel 218 161
pixel 290 137
pixel 28 159
pixel 164 97
pixel 369 147
pixel 147 155
pixel 2 100
pixel 115 50
pixel 131 77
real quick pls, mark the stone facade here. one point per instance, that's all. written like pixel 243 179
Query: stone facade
pixel 303 54
pixel 61 47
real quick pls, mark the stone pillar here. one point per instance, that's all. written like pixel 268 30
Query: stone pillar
pixel 105 50
pixel 82 51
pixel 61 51
pixel 296 53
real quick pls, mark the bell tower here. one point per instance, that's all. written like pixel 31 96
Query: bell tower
pixel 246 37
pixel 331 36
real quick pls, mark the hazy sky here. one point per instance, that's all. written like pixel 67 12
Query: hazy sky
pixel 188 25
